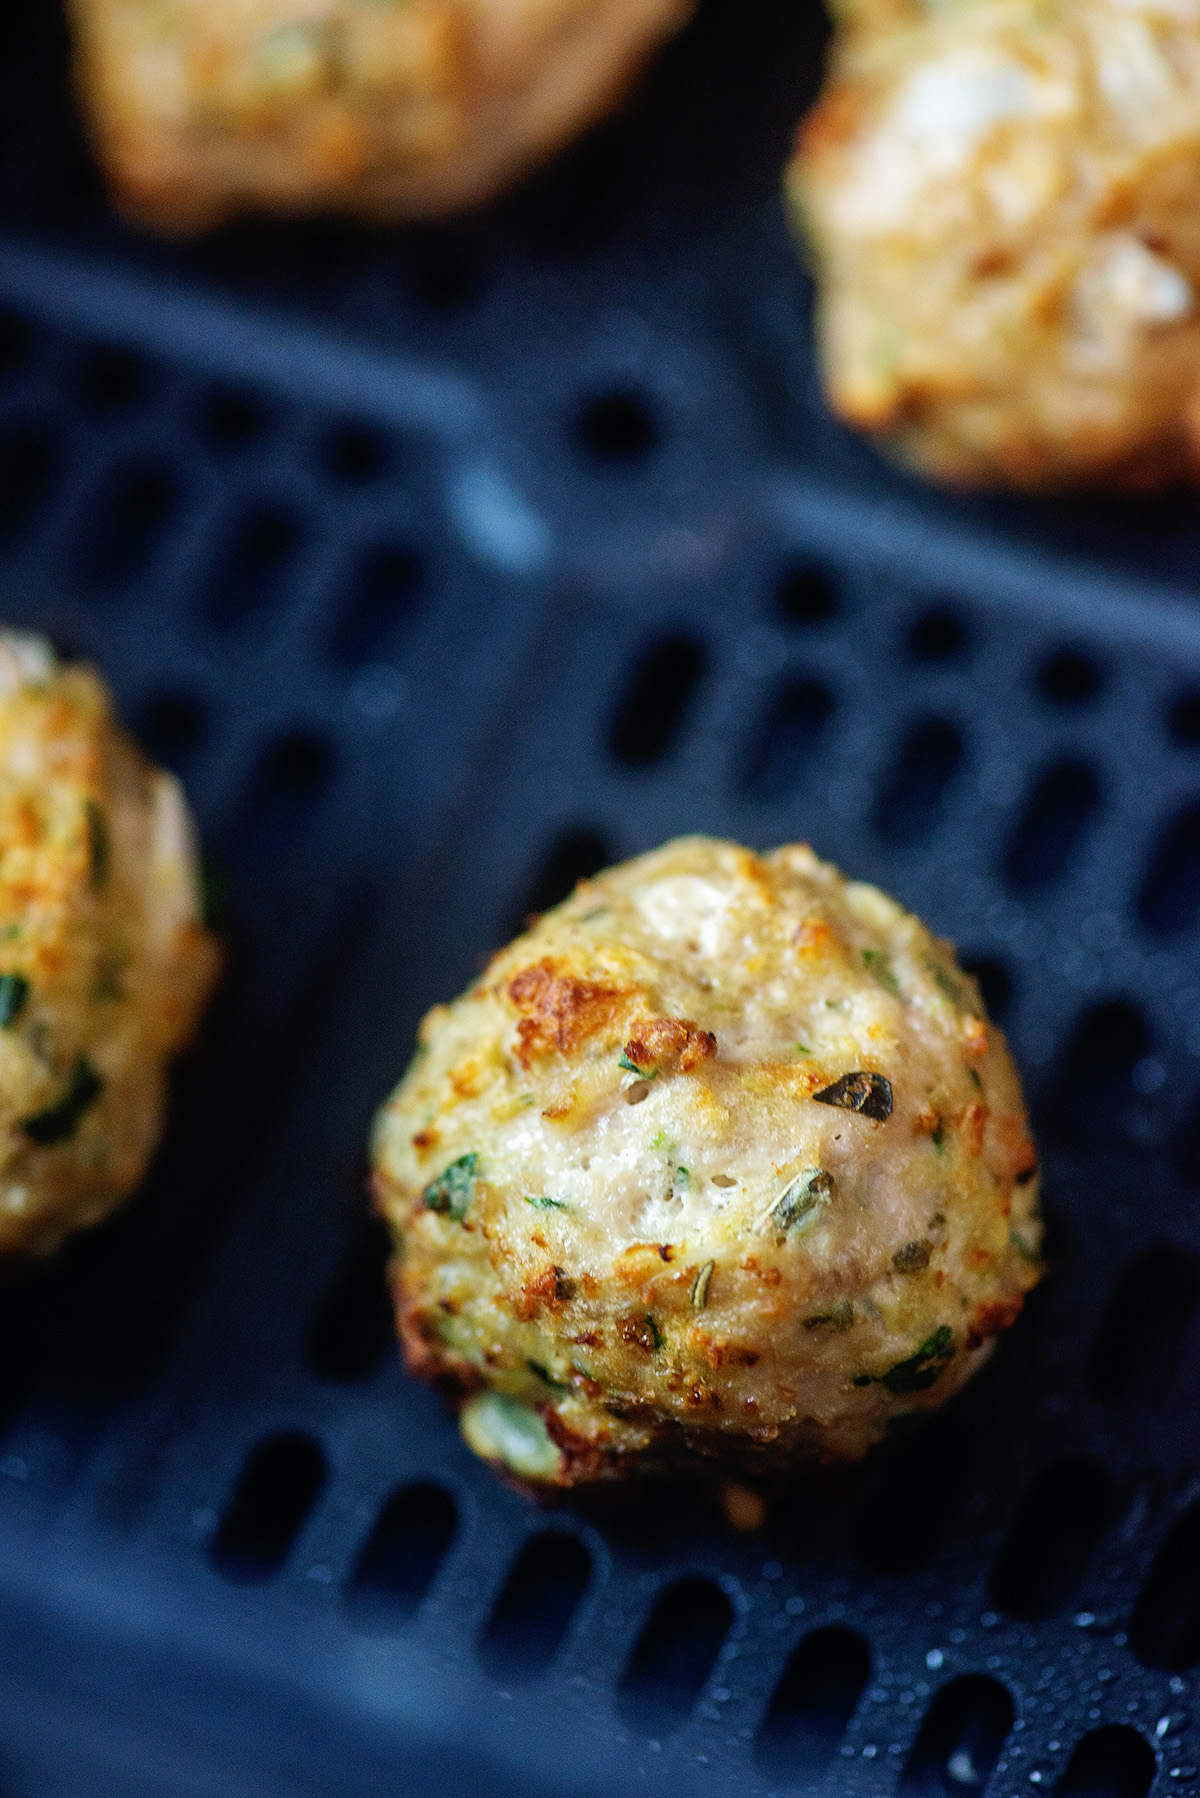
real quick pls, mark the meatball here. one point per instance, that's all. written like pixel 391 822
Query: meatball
pixel 201 109
pixel 721 1160
pixel 104 964
pixel 1000 202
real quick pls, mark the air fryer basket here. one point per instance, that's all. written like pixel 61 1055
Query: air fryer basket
pixel 446 566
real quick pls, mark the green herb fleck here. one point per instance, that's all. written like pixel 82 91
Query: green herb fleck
pixel 99 845
pixel 592 913
pixel 799 1199
pixel 938 1137
pixel 840 1317
pixel 662 1142
pixel 57 1123
pixel 631 1067
pixel 1024 1248
pixel 802 1048
pixel 700 1286
pixel 921 1369
pixel 879 964
pixel 975 1078
pixel 947 982
pixel 451 1191
pixel 682 1179
pixel 655 1332
pixel 912 1258
pixel 547 1377
pixel 14 991
pixel 868 1094
pixel 545 1202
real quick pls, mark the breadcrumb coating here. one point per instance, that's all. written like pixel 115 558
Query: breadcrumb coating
pixel 104 963
pixel 999 197
pixel 721 1162
pixel 389 109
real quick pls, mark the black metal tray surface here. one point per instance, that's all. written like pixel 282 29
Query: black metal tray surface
pixel 445 566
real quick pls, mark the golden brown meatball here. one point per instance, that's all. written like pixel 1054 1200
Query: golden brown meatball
pixel 1000 197
pixel 104 964
pixel 721 1159
pixel 390 109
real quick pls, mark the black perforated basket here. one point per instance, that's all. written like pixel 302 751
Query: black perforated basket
pixel 446 566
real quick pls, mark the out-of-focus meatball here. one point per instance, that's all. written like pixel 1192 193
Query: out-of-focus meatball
pixel 721 1159
pixel 1000 197
pixel 391 109
pixel 104 964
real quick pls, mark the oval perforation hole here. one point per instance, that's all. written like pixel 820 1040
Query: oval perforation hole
pixel 787 738
pixel 1115 1762
pixel 354 1328
pixel 1045 1559
pixel 111 378
pixel 807 595
pixel 355 453
pixel 380 598
pixel 1165 1628
pixel 123 527
pixel 230 420
pixel 654 706
pixel 912 796
pixel 674 1656
pixel 938 635
pixel 275 1494
pixel 1068 678
pixel 1097 1096
pixel 1169 901
pixel 995 982
pixel 1059 807
pixel 617 427
pixel 812 1704
pixel 171 727
pixel 288 783
pixel 570 858
pixel 27 462
pixel 914 1489
pixel 249 577
pixel 400 1559
pixel 535 1608
pixel 959 1741
pixel 1144 1324
pixel 1183 720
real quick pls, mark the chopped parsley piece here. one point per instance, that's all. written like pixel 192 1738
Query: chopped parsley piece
pixel 700 1286
pixel 58 1122
pixel 451 1191
pixel 938 1137
pixel 921 1369
pixel 545 1202
pixel 912 1258
pixel 840 1316
pixel 869 1094
pixel 14 991
pixel 1024 1249
pixel 99 845
pixel 879 964
pixel 682 1179
pixel 631 1067
pixel 547 1377
pixel 662 1142
pixel 811 1187
pixel 947 982
pixel 802 1048
pixel 975 1077
pixel 655 1332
